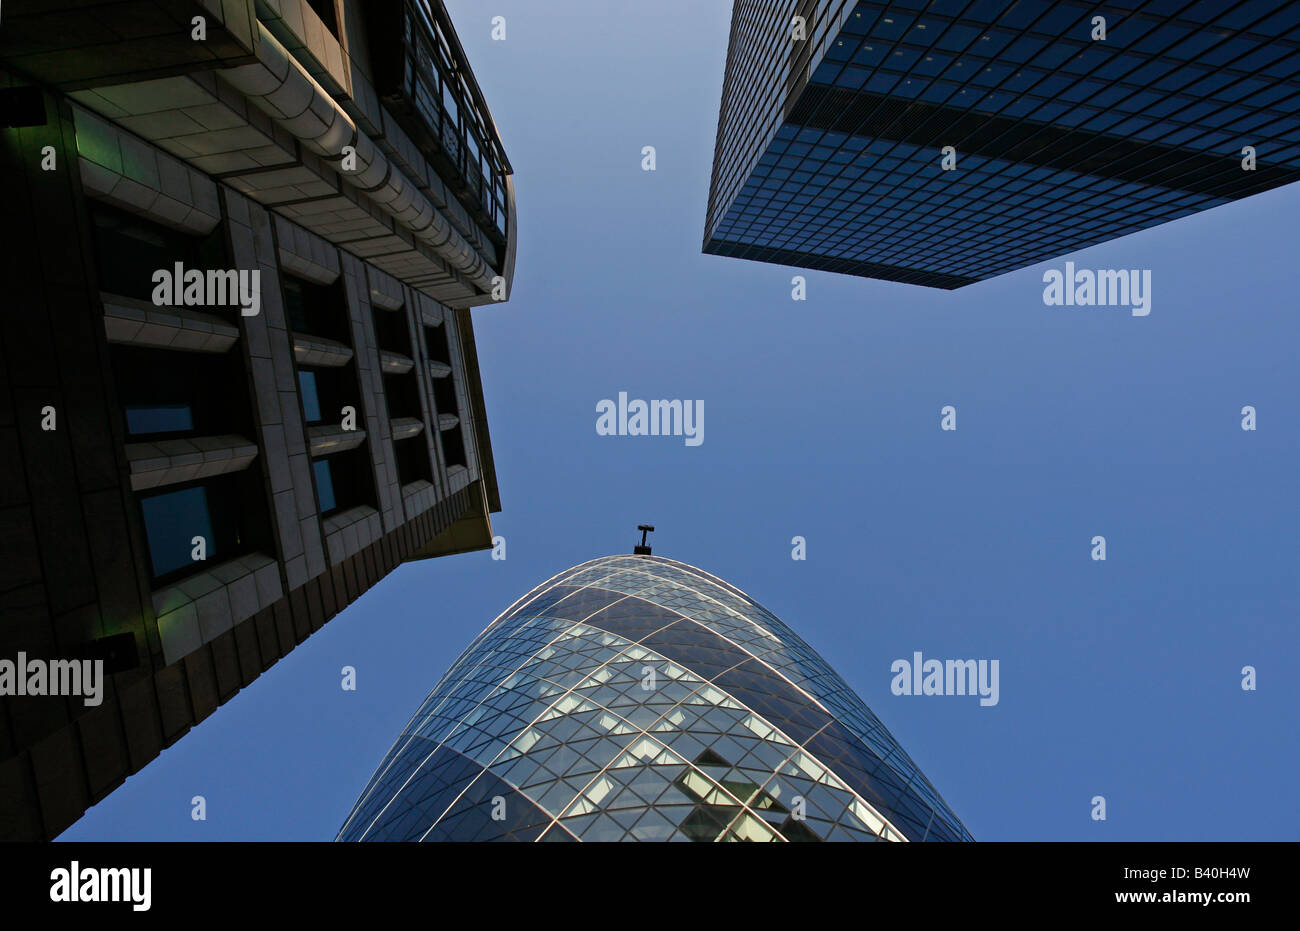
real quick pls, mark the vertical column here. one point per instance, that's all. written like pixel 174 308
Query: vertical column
pixel 429 312
pixel 366 358
pixel 461 479
pixel 275 387
pixel 416 320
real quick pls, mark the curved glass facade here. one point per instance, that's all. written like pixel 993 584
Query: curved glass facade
pixel 639 698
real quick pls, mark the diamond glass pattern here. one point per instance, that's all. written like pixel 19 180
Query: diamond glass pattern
pixel 639 698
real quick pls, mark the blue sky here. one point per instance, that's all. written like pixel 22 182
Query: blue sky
pixel 1118 678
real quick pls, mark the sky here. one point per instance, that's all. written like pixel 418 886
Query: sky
pixel 1119 678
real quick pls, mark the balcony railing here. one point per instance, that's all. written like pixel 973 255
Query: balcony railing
pixel 434 96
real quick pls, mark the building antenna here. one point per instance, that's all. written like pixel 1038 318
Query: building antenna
pixel 642 549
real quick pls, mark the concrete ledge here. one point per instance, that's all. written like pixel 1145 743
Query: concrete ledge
pixel 207 604
pixel 170 462
pixel 418 497
pixel 138 323
pixel 350 531
pixel 305 254
pixel 458 478
pixel 403 428
pixel 319 351
pixel 385 290
pixel 430 314
pixel 326 439
pixel 394 363
pixel 117 167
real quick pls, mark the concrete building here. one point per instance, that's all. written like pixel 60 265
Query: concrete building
pixel 239 380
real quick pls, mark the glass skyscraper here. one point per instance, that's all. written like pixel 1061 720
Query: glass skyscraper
pixel 639 698
pixel 1063 131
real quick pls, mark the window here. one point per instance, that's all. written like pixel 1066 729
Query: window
pixel 444 396
pixel 171 395
pixel 326 391
pixel 159 418
pixel 472 168
pixel 449 104
pixel 413 460
pixel 391 330
pixel 167 394
pixel 171 521
pixel 324 485
pixel 130 249
pixel 402 394
pixel 437 347
pixel 310 395
pixel 344 480
pixel 320 310
pixel 228 511
pixel 453 447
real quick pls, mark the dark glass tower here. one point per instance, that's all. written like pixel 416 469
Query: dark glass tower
pixel 830 147
pixel 638 698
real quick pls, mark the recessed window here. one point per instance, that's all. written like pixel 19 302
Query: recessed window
pixel 412 457
pixel 228 511
pixel 130 249
pixel 310 395
pixel 172 521
pixel 159 418
pixel 392 331
pixel 171 394
pixel 344 480
pixel 402 395
pixel 444 396
pixel 320 310
pixel 453 447
pixel 326 391
pixel 435 338
pixel 324 485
